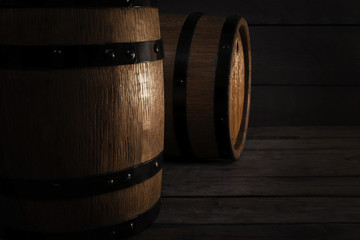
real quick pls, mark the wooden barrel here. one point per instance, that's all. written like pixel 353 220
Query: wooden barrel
pixel 81 117
pixel 207 85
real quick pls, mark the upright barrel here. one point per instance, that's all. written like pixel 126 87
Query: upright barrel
pixel 207 85
pixel 81 117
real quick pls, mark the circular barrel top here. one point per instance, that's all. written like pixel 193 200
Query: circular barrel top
pixel 239 88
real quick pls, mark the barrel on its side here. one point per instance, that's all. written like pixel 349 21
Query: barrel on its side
pixel 82 120
pixel 207 85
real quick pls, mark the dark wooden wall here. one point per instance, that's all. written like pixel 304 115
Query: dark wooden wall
pixel 306 58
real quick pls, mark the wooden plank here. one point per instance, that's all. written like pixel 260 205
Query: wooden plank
pixel 307 105
pixel 284 163
pixel 258 232
pixel 274 12
pixel 232 186
pixel 289 144
pixel 262 210
pixel 305 55
pixel 306 132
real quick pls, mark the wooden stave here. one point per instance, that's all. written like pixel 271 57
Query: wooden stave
pixel 151 139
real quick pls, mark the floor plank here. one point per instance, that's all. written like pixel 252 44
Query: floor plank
pixel 262 210
pixel 272 163
pixel 296 132
pixel 251 232
pixel 290 183
pixel 302 144
pixel 305 105
pixel 216 185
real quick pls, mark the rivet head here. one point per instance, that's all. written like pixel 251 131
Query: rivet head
pixel 156 164
pixel 132 225
pixel 113 233
pixel 131 54
pixel 127 3
pixel 58 55
pixel 222 120
pixel 180 82
pixel 128 177
pixel 110 181
pixel 110 54
pixel 226 47
pixel 156 48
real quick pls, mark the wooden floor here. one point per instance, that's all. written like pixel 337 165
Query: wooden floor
pixel 290 183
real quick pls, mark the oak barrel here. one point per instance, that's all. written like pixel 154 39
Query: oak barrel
pixel 82 118
pixel 207 85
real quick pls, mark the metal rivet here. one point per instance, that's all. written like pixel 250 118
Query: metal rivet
pixel 110 181
pixel 156 164
pixel 222 120
pixel 181 82
pixel 132 225
pixel 226 47
pixel 58 55
pixel 129 176
pixel 113 233
pixel 156 48
pixel 131 54
pixel 128 3
pixel 110 54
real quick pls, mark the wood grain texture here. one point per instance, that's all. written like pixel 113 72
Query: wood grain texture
pixel 302 144
pixel 78 25
pixel 82 213
pixel 304 132
pixel 74 123
pixel 174 25
pixel 293 183
pixel 240 89
pixel 237 91
pixel 272 163
pixel 82 122
pixel 274 12
pixel 201 84
pixel 249 232
pixel 215 184
pixel 260 210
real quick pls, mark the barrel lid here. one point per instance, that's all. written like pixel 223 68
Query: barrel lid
pixel 235 31
pixel 77 3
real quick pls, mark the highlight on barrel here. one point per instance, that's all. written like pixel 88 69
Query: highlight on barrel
pixel 82 118
pixel 207 85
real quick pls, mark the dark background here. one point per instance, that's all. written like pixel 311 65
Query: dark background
pixel 306 58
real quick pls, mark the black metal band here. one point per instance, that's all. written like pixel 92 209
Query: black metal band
pixel 180 82
pixel 221 94
pixel 77 3
pixel 80 187
pixel 79 56
pixel 119 231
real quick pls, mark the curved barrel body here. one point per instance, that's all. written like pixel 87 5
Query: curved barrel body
pixel 82 119
pixel 207 85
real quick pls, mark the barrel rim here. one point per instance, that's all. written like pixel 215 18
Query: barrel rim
pixel 222 88
pixel 79 3
pixel 245 39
